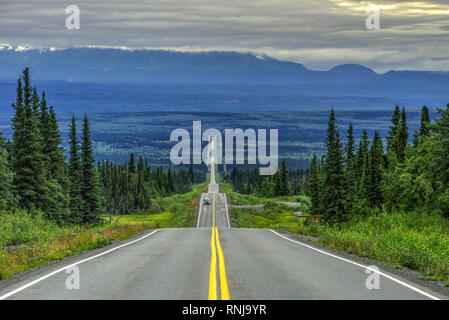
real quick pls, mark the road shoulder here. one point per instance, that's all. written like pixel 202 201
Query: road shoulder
pixel 29 275
pixel 435 287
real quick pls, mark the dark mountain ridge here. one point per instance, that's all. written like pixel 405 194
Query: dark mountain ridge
pixel 173 80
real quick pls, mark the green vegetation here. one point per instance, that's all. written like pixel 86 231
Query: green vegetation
pixel 361 182
pixel 50 208
pixel 127 189
pixel 251 199
pixel 29 239
pixel 35 176
pixel 273 216
pixel 283 183
pixel 41 179
pixel 414 240
pixel 390 205
pixel 177 211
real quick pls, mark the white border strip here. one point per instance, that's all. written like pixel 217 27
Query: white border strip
pixel 71 265
pixel 360 265
pixel 227 212
pixel 199 213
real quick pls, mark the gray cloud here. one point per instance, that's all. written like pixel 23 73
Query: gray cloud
pixel 317 33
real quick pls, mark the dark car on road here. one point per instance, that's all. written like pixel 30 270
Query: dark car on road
pixel 206 201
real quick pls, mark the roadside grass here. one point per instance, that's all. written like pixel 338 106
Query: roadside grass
pixel 59 243
pixel 411 240
pixel 272 216
pixel 416 240
pixel 178 211
pixel 246 199
pixel 28 240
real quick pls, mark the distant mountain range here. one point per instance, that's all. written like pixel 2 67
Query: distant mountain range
pixel 171 80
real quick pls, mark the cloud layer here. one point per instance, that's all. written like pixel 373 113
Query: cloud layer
pixel 318 33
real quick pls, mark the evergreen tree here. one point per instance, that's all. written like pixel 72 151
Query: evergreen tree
pixel 425 122
pixel 44 127
pixel 140 165
pixel 334 175
pixel 7 198
pixel 374 172
pixel 90 193
pixel 28 160
pixel 424 130
pixel 402 137
pixel 170 186
pixel 74 171
pixel 54 151
pixel 131 164
pixel 441 129
pixel 285 186
pixel 35 103
pixel 277 182
pixel 350 146
pixel 362 152
pixel 392 146
pixel 350 181
pixel 415 138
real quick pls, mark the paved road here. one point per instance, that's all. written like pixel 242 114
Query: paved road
pixel 215 214
pixel 205 219
pixel 175 264
pixel 169 264
pixel 209 262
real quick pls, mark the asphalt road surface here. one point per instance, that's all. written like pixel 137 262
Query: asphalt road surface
pixel 176 264
pixel 212 261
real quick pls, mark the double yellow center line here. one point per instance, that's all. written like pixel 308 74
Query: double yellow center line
pixel 216 247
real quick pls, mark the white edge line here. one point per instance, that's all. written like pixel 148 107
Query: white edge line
pixel 199 213
pixel 227 212
pixel 360 265
pixel 69 266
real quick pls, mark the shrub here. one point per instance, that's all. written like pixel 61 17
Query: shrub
pixel 22 227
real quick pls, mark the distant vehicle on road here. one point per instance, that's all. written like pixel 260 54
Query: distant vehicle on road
pixel 206 201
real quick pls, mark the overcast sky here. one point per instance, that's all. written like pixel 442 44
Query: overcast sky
pixel 317 33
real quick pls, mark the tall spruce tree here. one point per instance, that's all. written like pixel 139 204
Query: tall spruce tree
pixel 28 160
pixel 374 172
pixel 89 186
pixel 424 129
pixel 74 172
pixel 131 163
pixel 35 102
pixel 285 186
pixel 402 137
pixel 392 146
pixel 362 152
pixel 334 174
pixel 350 146
pixel 350 181
pixel 54 151
pixel 415 138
